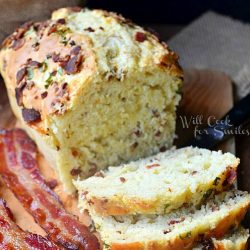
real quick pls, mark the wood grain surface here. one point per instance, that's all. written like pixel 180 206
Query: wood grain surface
pixel 207 95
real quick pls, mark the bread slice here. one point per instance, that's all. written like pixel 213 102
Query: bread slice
pixel 92 89
pixel 236 240
pixel 158 184
pixel 177 230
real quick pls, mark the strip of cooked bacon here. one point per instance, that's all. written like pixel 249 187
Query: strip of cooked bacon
pixel 12 237
pixel 19 169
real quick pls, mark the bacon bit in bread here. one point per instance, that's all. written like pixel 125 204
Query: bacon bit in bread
pixel 158 133
pixel 44 94
pixel 64 85
pixel 140 37
pixel 17 44
pixel 216 181
pixel 74 152
pixel 63 60
pixel 215 207
pixel 56 57
pixel 167 231
pixel 52 183
pixel 230 178
pixel 76 50
pixel 72 43
pixel 134 145
pixel 153 166
pixel 34 64
pixel 52 29
pixel 73 65
pixel 163 149
pixel 122 179
pixel 19 93
pixel 137 132
pixel 173 222
pixel 61 21
pixel 89 29
pixel 155 113
pixel 21 73
pixel 207 244
pixel 36 46
pixel 75 171
pixel 99 174
pixel 93 168
pixel 31 115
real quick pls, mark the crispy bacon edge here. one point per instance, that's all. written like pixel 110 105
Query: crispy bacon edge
pixel 20 172
pixel 13 237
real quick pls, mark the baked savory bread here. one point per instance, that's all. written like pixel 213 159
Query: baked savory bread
pixel 92 89
pixel 177 230
pixel 158 184
pixel 236 240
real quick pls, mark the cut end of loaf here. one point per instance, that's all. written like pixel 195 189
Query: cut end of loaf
pixel 158 184
pixel 237 239
pixel 177 230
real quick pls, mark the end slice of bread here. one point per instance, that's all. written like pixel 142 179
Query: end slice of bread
pixel 236 240
pixel 177 230
pixel 158 184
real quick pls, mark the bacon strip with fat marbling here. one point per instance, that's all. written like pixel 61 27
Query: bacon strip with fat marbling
pixel 19 170
pixel 13 237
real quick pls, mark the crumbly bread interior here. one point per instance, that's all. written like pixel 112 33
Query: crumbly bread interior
pixel 235 240
pixel 157 184
pixel 115 123
pixel 182 224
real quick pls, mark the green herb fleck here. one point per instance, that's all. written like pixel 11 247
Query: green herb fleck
pixel 207 194
pixel 185 236
pixel 49 80
pixel 106 246
pixel 64 41
pixel 165 208
pixel 216 181
pixel 29 32
pixel 30 73
pixel 63 32
pixel 60 71
pixel 179 90
pixel 44 66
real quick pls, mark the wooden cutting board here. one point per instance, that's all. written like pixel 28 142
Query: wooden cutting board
pixel 207 96
pixel 206 93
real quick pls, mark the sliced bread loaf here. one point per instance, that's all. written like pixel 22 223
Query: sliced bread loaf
pixel 158 184
pixel 177 230
pixel 236 240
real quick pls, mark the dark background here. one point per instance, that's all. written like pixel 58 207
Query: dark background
pixel 178 12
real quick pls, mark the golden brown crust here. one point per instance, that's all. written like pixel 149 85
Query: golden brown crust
pixel 53 49
pixel 25 67
pixel 188 241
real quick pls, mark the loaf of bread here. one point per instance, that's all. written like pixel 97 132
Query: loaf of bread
pixel 92 89
pixel 158 184
pixel 236 240
pixel 180 229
